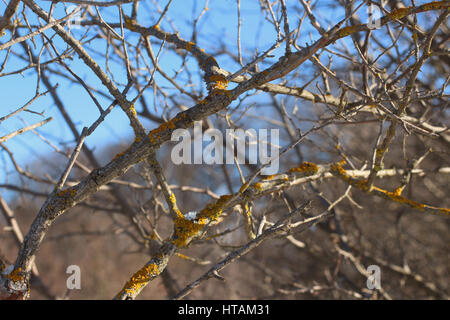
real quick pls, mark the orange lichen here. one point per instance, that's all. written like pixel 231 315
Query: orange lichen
pixel 156 27
pixel 140 279
pixel 163 127
pixel 189 45
pixel 306 167
pixel 66 196
pixel 117 156
pixel 62 193
pixel 258 185
pixel 219 82
pixel 15 275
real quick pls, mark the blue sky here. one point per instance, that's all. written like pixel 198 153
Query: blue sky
pixel 16 90
pixel 218 23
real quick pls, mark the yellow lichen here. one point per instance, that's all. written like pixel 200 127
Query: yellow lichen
pixel 379 152
pixel 129 24
pixel 347 31
pixel 186 229
pixel 399 13
pixel 172 198
pixel 337 168
pixel 434 5
pixel 219 92
pixel 173 201
pixel 182 256
pixel 133 110
pixel 156 27
pixel 258 185
pixel 394 196
pixel 398 191
pixel 269 177
pixel 248 221
pixel 243 187
pixel 397 198
pixel 213 211
pixel 140 279
pixel 306 167
pixel 342 173
pixel 62 193
pixel 212 59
